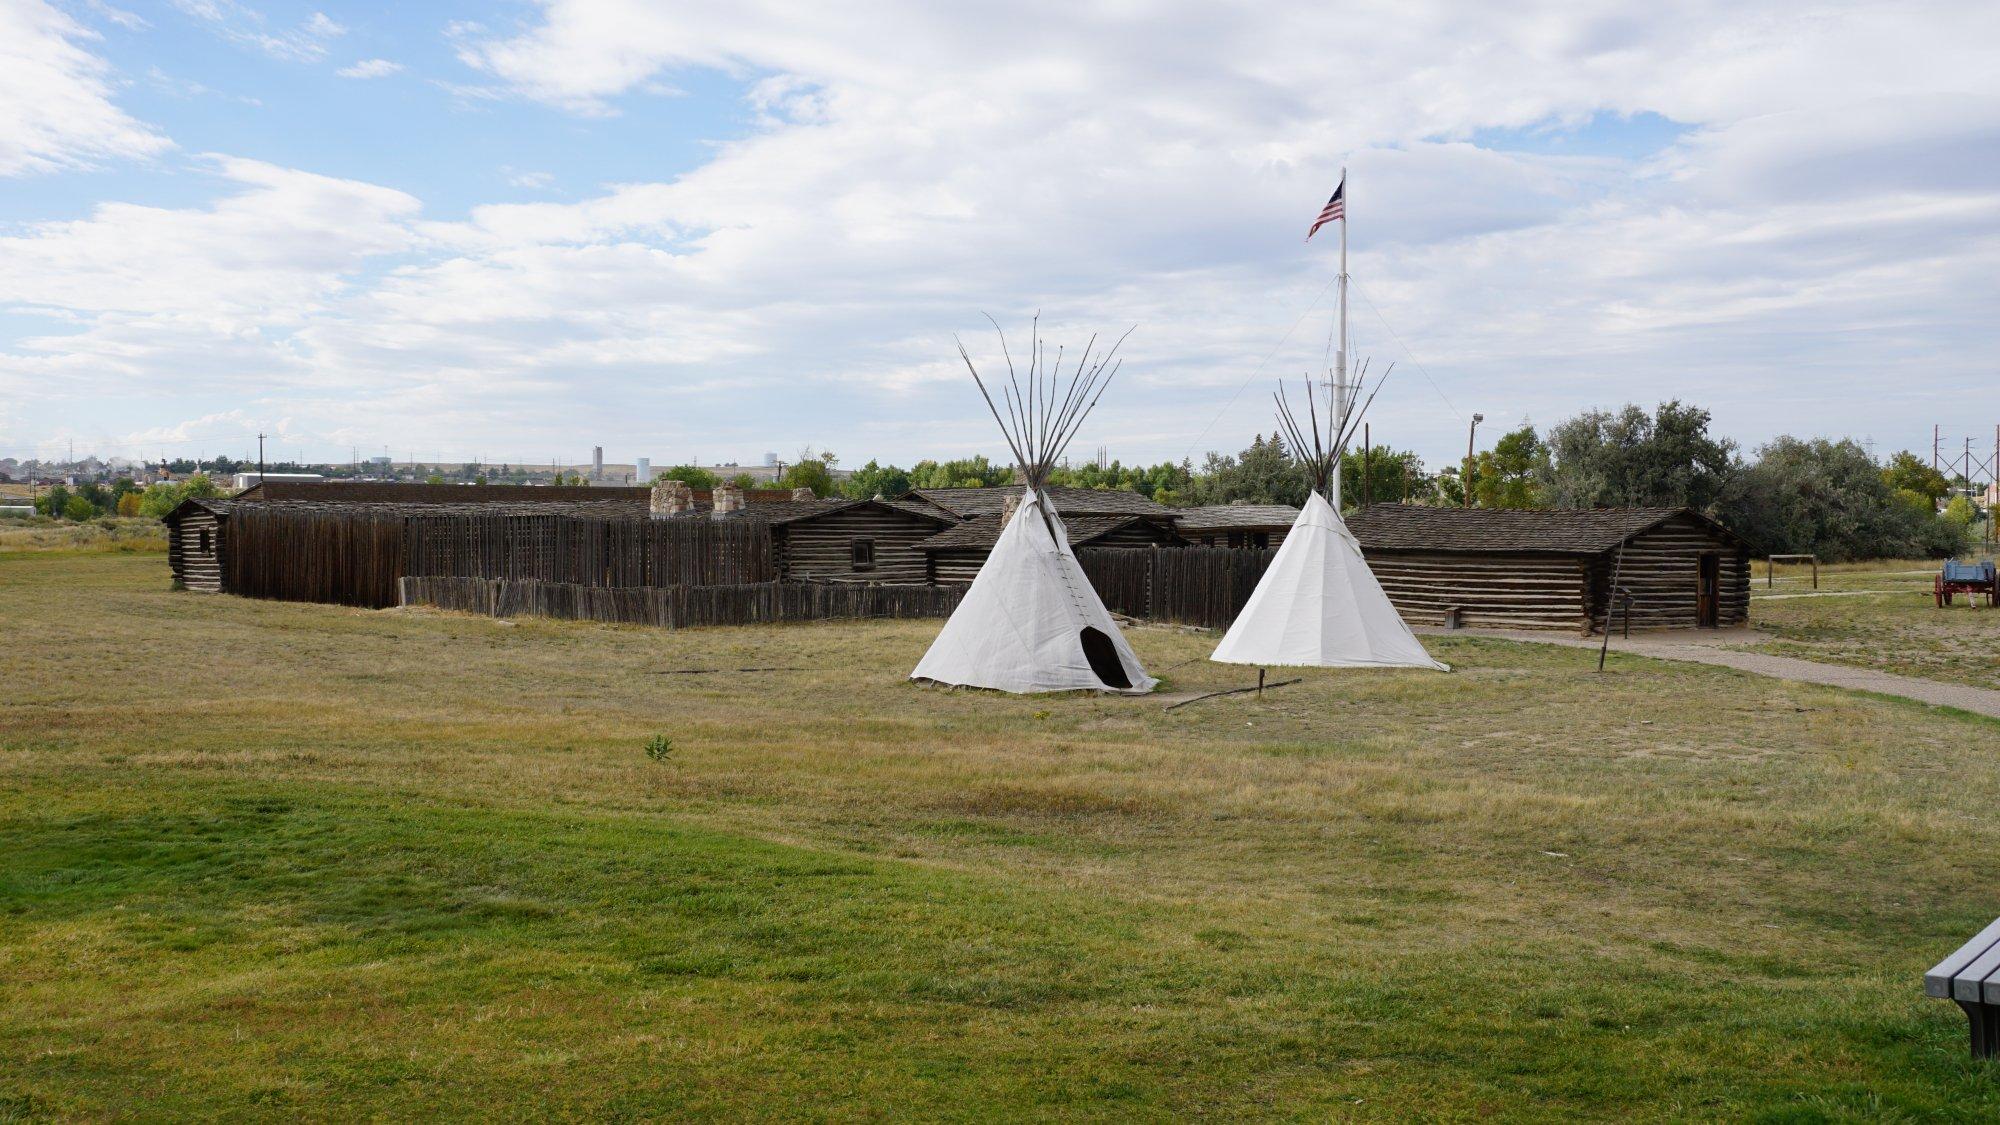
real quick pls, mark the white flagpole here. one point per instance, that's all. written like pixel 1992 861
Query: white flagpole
pixel 1337 410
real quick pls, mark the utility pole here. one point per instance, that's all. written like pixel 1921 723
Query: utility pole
pixel 1936 437
pixel 1466 479
pixel 260 460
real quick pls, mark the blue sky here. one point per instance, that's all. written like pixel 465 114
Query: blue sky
pixel 516 231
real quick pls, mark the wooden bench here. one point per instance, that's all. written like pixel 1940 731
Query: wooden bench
pixel 1971 977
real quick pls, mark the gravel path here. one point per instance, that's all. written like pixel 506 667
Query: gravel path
pixel 1709 646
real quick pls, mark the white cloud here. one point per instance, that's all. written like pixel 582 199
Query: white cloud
pixel 56 108
pixel 1829 220
pixel 534 181
pixel 370 68
pixel 246 26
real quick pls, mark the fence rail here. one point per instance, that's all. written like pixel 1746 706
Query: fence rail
pixel 1205 586
pixel 679 607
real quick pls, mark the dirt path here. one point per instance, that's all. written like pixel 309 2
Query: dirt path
pixel 1713 646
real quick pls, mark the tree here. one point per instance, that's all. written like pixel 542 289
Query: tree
pixel 78 509
pixel 1393 475
pixel 54 503
pixel 1509 474
pixel 972 472
pixel 874 479
pixel 1828 498
pixel 701 480
pixel 128 504
pixel 1630 460
pixel 1906 471
pixel 744 481
pixel 435 478
pixel 1962 511
pixel 814 471
pixel 1262 474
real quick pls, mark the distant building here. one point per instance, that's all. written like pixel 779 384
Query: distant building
pixel 596 462
pixel 642 471
pixel 251 479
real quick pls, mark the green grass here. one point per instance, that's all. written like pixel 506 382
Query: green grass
pixel 1886 618
pixel 269 860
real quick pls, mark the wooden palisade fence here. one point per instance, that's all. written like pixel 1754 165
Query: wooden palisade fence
pixel 1205 586
pixel 591 551
pixel 680 607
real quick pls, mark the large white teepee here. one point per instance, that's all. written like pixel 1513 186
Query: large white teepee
pixel 1319 605
pixel 1031 621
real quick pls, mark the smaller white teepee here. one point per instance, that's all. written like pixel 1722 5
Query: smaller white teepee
pixel 1031 620
pixel 1319 605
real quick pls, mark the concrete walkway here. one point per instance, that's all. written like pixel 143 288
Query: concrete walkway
pixel 1713 646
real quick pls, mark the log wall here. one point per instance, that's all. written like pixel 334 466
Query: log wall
pixel 823 546
pixel 680 607
pixel 1660 569
pixel 1494 591
pixel 193 568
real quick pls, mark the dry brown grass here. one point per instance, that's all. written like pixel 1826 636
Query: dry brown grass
pixel 1667 891
pixel 1884 616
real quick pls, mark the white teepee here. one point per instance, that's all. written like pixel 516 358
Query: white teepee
pixel 1319 605
pixel 1031 621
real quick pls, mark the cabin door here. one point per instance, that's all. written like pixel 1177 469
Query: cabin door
pixel 1707 590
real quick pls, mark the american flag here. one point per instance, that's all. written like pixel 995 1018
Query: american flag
pixel 1336 208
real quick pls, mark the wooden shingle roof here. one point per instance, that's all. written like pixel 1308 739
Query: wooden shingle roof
pixel 981 532
pixel 792 511
pixel 966 503
pixel 1567 531
pixel 1231 517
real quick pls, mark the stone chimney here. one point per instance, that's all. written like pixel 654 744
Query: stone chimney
pixel 803 494
pixel 1012 505
pixel 671 498
pixel 728 498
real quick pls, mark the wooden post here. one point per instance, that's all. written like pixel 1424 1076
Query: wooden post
pixel 1367 467
pixel 1260 683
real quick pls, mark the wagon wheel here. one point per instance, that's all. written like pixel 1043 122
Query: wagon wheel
pixel 1937 591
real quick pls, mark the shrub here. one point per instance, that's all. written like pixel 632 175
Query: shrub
pixel 659 748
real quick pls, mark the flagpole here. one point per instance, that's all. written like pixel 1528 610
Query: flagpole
pixel 1338 408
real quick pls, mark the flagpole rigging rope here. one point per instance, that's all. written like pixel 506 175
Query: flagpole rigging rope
pixel 1317 298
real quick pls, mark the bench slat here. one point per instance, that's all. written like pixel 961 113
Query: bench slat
pixel 1965 985
pixel 1938 982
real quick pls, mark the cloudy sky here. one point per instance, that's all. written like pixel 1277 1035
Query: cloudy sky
pixel 711 229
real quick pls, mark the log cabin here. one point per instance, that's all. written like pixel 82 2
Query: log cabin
pixel 871 541
pixel 194 544
pixel 957 553
pixel 1553 569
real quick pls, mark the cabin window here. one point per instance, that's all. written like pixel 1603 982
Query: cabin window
pixel 1260 539
pixel 205 541
pixel 863 553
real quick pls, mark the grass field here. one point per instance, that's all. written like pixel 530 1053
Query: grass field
pixel 1884 617
pixel 277 861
